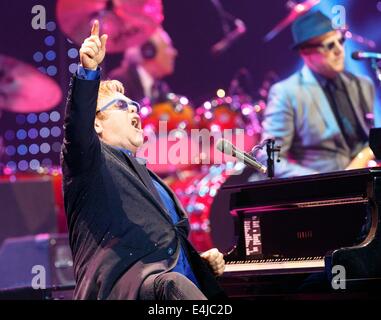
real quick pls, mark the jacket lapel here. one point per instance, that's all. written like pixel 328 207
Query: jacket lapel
pixel 320 102
pixel 354 97
pixel 135 171
pixel 145 177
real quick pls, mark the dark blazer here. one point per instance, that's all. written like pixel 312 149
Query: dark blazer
pixel 117 222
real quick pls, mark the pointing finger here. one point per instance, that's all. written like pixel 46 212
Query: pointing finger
pixel 95 28
pixel 103 41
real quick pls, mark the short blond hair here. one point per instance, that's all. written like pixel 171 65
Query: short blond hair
pixel 107 88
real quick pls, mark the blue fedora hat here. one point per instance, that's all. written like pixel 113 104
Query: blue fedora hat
pixel 309 26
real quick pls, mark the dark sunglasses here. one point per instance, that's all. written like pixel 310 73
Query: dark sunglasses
pixel 326 46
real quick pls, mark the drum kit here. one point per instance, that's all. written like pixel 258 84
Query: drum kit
pixel 25 89
pixel 196 179
pixel 127 22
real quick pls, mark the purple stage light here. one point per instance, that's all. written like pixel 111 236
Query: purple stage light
pixel 44 132
pixel 31 118
pixel 50 41
pixel 55 116
pixel 21 134
pixel 51 26
pixel 51 70
pixel 43 117
pixel 34 149
pixel 33 133
pixel 55 131
pixel 22 150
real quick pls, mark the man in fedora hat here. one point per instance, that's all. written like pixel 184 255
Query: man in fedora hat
pixel 320 116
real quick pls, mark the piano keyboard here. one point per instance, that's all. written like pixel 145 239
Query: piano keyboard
pixel 275 264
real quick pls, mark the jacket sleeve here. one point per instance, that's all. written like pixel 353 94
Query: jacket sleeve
pixel 81 145
pixel 278 124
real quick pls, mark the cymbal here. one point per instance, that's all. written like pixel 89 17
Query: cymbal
pixel 296 11
pixel 25 89
pixel 128 23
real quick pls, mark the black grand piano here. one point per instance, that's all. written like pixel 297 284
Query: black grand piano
pixel 315 236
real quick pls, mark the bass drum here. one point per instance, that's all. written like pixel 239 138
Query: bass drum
pixel 222 229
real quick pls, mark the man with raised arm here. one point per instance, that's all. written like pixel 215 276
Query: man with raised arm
pixel 128 232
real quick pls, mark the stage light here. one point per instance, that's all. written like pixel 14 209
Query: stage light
pixel 50 41
pixel 55 131
pixel 22 150
pixel 38 56
pixel 221 93
pixel 31 118
pixel 50 55
pixel 51 26
pixel 21 134
pixel 45 147
pixel 72 53
pixel 12 165
pixel 10 150
pixel 73 67
pixel 51 70
pixel 33 133
pixel 23 165
pixel 43 117
pixel 44 132
pixel 207 105
pixel 55 116
pixel 34 164
pixel 34 149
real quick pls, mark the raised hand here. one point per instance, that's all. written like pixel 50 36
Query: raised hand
pixel 93 49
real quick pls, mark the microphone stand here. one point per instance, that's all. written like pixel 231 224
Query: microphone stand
pixel 271 149
pixel 229 33
pixel 224 16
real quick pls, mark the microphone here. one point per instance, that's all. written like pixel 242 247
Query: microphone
pixel 361 55
pixel 225 146
pixel 229 38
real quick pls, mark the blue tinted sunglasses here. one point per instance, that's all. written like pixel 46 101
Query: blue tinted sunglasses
pixel 120 104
